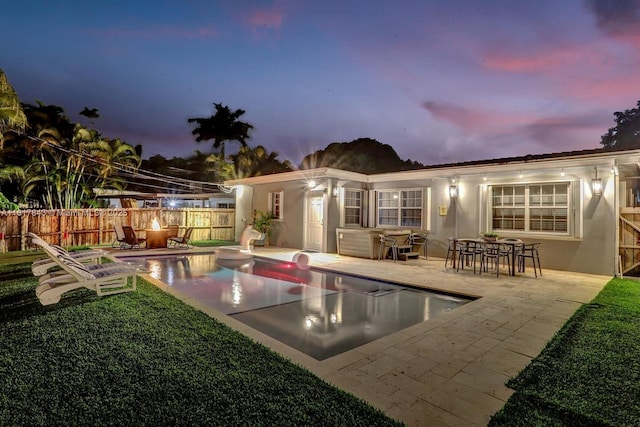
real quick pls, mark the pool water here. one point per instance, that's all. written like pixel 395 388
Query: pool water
pixel 319 313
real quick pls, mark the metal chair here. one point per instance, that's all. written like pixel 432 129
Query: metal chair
pixel 452 252
pixel 388 243
pixel 530 251
pixel 130 238
pixel 468 252
pixel 119 241
pixel 494 253
pixel 419 241
pixel 183 241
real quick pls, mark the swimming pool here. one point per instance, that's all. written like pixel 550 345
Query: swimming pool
pixel 318 312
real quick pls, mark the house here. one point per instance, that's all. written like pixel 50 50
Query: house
pixel 580 205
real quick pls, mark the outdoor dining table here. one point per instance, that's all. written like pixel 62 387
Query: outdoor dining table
pixel 513 245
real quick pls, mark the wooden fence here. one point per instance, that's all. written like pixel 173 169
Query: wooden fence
pixel 630 241
pixel 95 226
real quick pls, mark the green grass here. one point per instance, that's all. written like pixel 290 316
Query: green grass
pixel 589 373
pixel 145 358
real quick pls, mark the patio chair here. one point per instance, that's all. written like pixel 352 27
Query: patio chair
pixel 468 252
pixel 183 241
pixel 105 279
pixel 130 239
pixel 419 241
pixel 452 252
pixel 530 251
pixel 494 253
pixel 90 256
pixel 119 241
pixel 388 244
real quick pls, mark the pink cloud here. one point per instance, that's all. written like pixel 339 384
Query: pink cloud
pixel 264 20
pixel 474 120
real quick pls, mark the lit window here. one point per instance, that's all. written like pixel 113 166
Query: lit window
pixel 531 208
pixel 353 207
pixel 400 208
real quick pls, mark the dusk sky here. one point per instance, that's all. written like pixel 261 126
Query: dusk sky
pixel 440 81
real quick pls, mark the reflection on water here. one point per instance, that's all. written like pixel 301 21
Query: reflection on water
pixel 319 313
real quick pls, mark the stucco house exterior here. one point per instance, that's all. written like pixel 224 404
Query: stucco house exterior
pixel 571 202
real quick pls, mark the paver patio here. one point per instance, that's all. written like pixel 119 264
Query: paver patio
pixel 451 370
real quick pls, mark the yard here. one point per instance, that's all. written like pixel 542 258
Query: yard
pixel 145 358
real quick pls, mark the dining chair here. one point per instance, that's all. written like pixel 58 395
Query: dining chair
pixel 493 253
pixel 468 253
pixel 530 251
pixel 452 252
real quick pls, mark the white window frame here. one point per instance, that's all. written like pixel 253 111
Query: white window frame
pixel 358 206
pixel 275 204
pixel 528 207
pixel 396 210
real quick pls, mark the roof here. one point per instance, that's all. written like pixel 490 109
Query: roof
pixel 597 156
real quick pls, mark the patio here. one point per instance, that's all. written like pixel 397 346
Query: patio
pixel 450 370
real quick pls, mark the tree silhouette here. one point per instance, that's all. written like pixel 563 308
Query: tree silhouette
pixel 626 133
pixel 221 127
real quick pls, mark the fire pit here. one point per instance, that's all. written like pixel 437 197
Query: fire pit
pixel 156 236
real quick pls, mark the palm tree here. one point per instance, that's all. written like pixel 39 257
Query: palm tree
pixel 222 126
pixel 11 115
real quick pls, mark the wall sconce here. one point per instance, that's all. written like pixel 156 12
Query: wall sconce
pixel 453 191
pixel 335 191
pixel 596 184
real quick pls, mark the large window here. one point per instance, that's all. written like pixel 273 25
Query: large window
pixel 531 208
pixel 275 204
pixel 400 208
pixel 352 207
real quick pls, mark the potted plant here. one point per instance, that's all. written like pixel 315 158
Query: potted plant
pixel 262 222
pixel 490 237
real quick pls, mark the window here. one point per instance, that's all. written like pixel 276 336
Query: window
pixel 352 207
pixel 400 208
pixel 275 204
pixel 532 207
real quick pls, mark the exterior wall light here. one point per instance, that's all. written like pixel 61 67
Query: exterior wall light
pixel 596 186
pixel 453 191
pixel 336 191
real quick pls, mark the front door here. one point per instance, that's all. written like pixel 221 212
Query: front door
pixel 313 233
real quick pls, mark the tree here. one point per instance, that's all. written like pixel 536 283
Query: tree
pixel 222 126
pixel 11 115
pixel 626 133
pixel 363 155
pixel 258 161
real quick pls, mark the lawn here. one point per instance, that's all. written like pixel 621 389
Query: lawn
pixel 589 373
pixel 145 358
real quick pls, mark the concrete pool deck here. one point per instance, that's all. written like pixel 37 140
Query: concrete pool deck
pixel 447 371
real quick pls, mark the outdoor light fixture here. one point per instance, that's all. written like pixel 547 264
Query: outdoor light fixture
pixel 596 185
pixel 311 184
pixel 336 191
pixel 562 172
pixel 453 191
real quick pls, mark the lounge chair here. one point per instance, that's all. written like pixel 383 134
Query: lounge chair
pixel 89 256
pixel 105 279
pixel 130 238
pixel 181 241
pixel 119 236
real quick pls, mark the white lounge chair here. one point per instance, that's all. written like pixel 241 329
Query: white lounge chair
pixel 105 279
pixel 88 256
